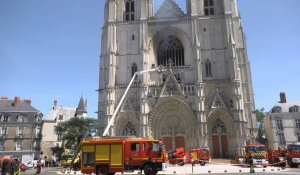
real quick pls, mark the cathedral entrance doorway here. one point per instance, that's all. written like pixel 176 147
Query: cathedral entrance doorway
pixel 219 140
pixel 173 122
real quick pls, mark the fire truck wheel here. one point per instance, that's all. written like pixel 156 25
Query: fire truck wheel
pixel 102 170
pixel 150 169
pixel 202 163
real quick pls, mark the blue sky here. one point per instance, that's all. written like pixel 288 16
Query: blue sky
pixel 49 49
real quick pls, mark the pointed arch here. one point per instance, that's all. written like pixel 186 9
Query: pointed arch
pixel 129 130
pixel 170 49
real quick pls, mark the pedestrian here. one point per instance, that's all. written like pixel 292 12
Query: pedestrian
pixel 5 168
pixel 38 167
pixel 12 167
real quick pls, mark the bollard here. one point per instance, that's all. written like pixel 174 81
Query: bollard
pixel 209 171
pixel 174 172
pixel 278 169
pixel 240 171
pixel 264 170
pixel 272 169
pixel 225 171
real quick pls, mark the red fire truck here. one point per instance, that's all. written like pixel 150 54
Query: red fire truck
pixel 200 155
pixel 258 153
pixel 277 157
pixel 180 156
pixel 108 155
pixel 293 155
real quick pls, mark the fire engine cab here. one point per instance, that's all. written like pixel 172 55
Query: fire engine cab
pixel 293 154
pixel 108 155
pixel 258 153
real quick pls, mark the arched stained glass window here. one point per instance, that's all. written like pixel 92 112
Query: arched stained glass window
pixel 170 49
pixel 129 130
pixel 219 127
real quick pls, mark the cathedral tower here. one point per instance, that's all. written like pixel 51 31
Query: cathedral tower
pixel 207 97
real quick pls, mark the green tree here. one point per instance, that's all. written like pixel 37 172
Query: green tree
pixel 73 130
pixel 260 114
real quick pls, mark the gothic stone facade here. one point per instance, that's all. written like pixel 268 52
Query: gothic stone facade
pixel 206 97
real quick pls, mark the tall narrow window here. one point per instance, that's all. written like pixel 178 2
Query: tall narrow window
pixel 19 145
pixel 279 124
pixel 20 131
pixel 3 132
pixel 129 10
pixel 298 136
pixel 208 70
pixel 133 69
pixel 209 7
pixel 281 138
pixel 297 122
pixel 5 118
pixel 59 137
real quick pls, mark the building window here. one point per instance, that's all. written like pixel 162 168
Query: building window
pixel 279 125
pixel 4 118
pixel 178 78
pixel 294 109
pixel 129 130
pixel 133 69
pixel 281 138
pixel 61 117
pixel 208 70
pixel 20 118
pixel 209 7
pixel 19 146
pixel 297 121
pixel 20 131
pixel 276 109
pixel 298 136
pixel 3 132
pixel 219 127
pixel 129 10
pixel 170 52
pixel 59 137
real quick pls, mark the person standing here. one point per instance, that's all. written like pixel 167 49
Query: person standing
pixel 38 167
pixel 5 164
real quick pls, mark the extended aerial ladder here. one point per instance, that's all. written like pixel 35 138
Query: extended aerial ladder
pixel 158 69
pixel 105 133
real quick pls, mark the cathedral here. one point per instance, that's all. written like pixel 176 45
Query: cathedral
pixel 203 98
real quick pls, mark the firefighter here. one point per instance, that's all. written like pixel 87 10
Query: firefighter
pixel 250 161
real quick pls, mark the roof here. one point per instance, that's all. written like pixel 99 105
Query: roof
pixel 22 106
pixel 285 106
pixel 81 107
pixel 169 9
pixel 67 112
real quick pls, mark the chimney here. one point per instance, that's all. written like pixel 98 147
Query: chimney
pixel 282 97
pixel 16 101
pixel 4 98
pixel 28 102
pixel 55 104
